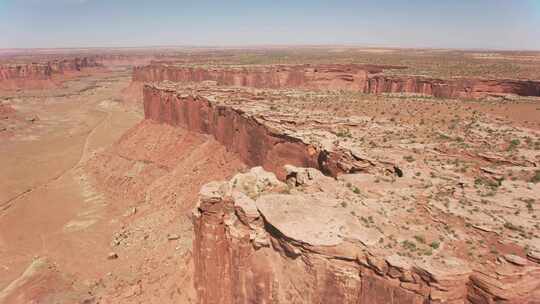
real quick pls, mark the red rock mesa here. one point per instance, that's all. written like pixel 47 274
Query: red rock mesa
pixel 288 234
pixel 41 75
pixel 360 78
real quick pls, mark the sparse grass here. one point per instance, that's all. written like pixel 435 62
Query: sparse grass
pixel 420 239
pixel 511 226
pixel 408 245
pixel 409 158
pixel 536 177
pixel 529 205
pixel 514 143
pixel 487 182
pixel 344 133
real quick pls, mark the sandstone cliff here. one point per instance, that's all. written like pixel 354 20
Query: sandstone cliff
pixel 453 88
pixel 268 242
pixel 39 75
pixel 351 77
pixel 259 141
pixel 360 78
pixel 362 224
pixel 26 71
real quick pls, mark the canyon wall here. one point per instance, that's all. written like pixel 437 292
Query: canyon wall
pixel 321 239
pixel 268 242
pixel 453 88
pixel 37 75
pixel 352 77
pixel 25 71
pixel 72 65
pixel 361 78
pixel 254 262
pixel 255 144
pixel 258 142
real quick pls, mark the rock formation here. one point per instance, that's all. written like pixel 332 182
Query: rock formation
pixel 359 78
pixel 258 140
pixel 36 75
pixel 351 77
pixel 360 224
pixel 305 242
pixel 276 184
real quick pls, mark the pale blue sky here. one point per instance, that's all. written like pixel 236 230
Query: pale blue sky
pixel 507 24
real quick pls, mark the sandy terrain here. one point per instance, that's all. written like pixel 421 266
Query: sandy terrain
pixel 44 197
pixel 101 183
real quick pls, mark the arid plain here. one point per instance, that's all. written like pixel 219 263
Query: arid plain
pixel 277 175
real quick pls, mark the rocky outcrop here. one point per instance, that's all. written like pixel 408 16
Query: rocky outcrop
pixel 259 141
pixel 350 77
pixel 35 75
pixel 302 242
pixel 453 88
pixel 31 71
pixel 360 78
pixel 72 65
pixel 378 216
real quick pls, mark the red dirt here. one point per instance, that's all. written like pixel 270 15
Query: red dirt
pixel 132 94
pixel 6 111
pixel 159 170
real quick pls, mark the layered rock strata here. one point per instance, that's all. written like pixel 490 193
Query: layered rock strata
pixel 259 140
pixel 359 78
pixel 27 74
pixel 386 213
pixel 315 240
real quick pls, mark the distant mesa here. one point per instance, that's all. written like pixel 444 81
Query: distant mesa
pixel 370 79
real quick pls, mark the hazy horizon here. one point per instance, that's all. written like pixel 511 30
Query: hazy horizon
pixel 462 24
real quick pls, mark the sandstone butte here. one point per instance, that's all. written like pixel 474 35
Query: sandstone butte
pixel 41 74
pixel 359 78
pixel 324 217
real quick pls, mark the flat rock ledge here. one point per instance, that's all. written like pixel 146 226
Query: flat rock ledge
pixel 268 238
